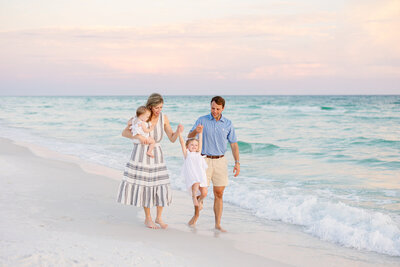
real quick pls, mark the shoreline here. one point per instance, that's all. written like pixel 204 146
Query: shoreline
pixel 63 216
pixel 64 206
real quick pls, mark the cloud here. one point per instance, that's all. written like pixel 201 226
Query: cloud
pixel 336 44
pixel 371 38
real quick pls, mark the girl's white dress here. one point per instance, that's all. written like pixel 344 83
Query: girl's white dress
pixel 194 170
pixel 136 127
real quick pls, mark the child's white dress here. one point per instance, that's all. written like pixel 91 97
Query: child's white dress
pixel 194 170
pixel 136 127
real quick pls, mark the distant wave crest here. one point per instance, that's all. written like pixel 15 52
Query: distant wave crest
pixel 245 147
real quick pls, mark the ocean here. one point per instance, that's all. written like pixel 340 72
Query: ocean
pixel 328 164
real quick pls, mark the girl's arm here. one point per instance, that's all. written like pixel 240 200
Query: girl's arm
pixel 145 129
pixel 168 130
pixel 183 145
pixel 200 141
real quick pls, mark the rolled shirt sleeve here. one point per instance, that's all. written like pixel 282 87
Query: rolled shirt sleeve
pixel 232 135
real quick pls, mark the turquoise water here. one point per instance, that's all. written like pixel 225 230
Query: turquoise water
pixel 330 164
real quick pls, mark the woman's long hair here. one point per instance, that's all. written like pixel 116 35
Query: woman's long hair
pixel 154 100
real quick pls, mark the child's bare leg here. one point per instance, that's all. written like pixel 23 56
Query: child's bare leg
pixel 203 194
pixel 193 220
pixel 151 147
pixel 195 188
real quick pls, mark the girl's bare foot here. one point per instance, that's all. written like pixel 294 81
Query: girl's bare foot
pixel 192 222
pixel 150 224
pixel 195 201
pixel 162 224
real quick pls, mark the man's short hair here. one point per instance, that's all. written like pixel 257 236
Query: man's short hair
pixel 218 100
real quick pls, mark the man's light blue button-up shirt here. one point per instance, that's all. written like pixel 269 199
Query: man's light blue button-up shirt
pixel 216 134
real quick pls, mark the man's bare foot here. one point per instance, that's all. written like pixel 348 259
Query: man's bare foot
pixel 150 154
pixel 162 224
pixel 195 201
pixel 192 222
pixel 150 224
pixel 218 227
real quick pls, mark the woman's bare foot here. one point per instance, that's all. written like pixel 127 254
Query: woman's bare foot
pixel 192 222
pixel 150 224
pixel 162 224
pixel 218 227
pixel 150 154
pixel 195 201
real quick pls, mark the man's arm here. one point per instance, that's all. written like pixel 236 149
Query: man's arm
pixel 196 131
pixel 235 153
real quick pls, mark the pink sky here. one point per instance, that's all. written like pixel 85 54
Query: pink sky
pixel 184 47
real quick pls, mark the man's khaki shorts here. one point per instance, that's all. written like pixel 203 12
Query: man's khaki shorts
pixel 217 171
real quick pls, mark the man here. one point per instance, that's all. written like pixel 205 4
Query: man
pixel 217 132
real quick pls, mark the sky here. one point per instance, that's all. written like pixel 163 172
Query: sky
pixel 129 47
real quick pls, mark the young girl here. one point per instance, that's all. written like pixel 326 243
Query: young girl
pixel 194 169
pixel 140 126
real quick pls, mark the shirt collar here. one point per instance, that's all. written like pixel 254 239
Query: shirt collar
pixel 210 116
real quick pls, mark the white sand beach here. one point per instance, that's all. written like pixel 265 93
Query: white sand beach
pixel 57 210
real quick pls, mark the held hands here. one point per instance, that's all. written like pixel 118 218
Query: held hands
pixel 180 129
pixel 199 128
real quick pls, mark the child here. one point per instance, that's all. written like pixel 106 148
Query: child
pixel 194 169
pixel 140 126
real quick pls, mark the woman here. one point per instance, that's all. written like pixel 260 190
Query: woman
pixel 146 180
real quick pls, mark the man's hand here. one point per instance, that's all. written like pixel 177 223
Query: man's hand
pixel 236 169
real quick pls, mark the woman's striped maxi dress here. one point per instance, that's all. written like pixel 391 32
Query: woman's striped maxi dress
pixel 146 181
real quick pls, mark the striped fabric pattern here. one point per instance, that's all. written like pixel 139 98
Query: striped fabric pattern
pixel 146 180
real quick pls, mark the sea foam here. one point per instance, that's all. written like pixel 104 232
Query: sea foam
pixel 331 221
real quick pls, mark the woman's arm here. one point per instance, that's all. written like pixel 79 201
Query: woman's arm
pixel 168 130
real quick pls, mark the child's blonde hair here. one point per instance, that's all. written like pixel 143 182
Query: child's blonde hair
pixel 189 140
pixel 141 110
